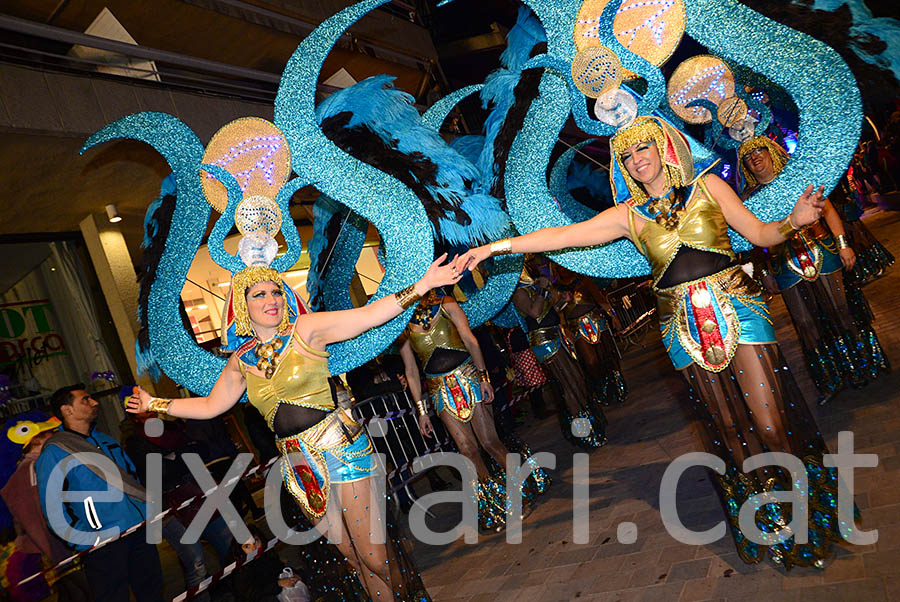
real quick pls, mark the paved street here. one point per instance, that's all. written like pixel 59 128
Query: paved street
pixel 645 435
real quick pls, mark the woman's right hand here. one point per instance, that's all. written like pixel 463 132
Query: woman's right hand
pixel 808 208
pixel 425 426
pixel 139 402
pixel 439 274
pixel 471 258
pixel 288 581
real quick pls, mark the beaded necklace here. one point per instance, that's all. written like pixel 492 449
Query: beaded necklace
pixel 667 211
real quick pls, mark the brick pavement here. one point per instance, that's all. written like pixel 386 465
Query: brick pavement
pixel 645 435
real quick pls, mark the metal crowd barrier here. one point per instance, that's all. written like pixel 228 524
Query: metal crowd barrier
pixel 391 421
pixel 633 304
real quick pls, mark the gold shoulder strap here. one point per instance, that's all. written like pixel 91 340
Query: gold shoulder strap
pixel 701 182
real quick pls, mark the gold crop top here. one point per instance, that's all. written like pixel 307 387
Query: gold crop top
pixel 441 334
pixel 701 226
pixel 298 380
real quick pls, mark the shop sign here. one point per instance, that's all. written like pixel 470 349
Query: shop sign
pixel 26 334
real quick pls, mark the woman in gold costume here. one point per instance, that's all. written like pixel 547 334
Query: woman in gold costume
pixel 457 384
pixel 838 344
pixel 581 418
pixel 591 326
pixel 282 365
pixel 715 324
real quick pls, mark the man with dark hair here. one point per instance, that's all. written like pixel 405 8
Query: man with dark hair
pixel 86 502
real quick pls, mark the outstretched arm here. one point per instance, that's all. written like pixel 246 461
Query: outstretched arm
pixel 807 210
pixel 323 328
pixel 225 393
pixel 600 229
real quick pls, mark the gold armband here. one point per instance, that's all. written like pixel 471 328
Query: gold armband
pixel 159 405
pixel 407 297
pixel 501 247
pixel 483 376
pixel 842 241
pixel 787 228
pixel 422 406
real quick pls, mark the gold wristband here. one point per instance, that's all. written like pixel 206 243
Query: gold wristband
pixel 422 406
pixel 501 247
pixel 159 405
pixel 842 241
pixel 483 376
pixel 407 297
pixel 787 228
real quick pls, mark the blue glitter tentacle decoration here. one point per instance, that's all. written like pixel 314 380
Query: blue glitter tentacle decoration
pixel 530 204
pixel 557 66
pixel 437 113
pixel 559 185
pixel 174 348
pixel 288 229
pixel 816 77
pixel 328 285
pixel 223 225
pixel 394 210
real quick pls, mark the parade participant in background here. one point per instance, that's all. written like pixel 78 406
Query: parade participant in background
pixel 281 363
pixel 714 322
pixel 580 417
pixel 839 346
pixel 584 309
pixel 458 387
pixel 872 258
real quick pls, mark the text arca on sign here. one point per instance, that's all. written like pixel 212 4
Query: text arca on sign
pixel 26 333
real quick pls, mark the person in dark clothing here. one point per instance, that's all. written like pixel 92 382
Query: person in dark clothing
pixel 177 485
pixel 220 454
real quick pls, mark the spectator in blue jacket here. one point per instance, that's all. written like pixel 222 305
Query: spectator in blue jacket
pixel 99 510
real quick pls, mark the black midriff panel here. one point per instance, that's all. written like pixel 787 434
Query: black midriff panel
pixel 551 319
pixel 445 360
pixel 291 419
pixel 692 264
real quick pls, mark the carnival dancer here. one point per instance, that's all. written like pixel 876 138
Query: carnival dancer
pixel 838 344
pixel 458 387
pixel 872 258
pixel 580 417
pixel 280 362
pixel 714 322
pixel 591 326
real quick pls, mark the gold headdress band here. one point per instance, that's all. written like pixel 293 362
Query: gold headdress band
pixel 779 158
pixel 674 153
pixel 242 281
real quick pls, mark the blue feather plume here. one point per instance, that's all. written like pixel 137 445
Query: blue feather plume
pixel 390 114
pixel 500 84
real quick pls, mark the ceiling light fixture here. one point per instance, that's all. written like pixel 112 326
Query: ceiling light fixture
pixel 113 214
